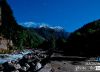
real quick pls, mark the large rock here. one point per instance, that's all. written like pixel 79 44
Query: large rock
pixel 5 43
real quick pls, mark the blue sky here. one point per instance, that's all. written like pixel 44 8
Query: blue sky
pixel 69 14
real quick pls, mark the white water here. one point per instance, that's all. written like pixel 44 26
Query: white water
pixel 9 57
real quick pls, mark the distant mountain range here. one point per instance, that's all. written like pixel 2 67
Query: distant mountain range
pixel 39 25
pixel 47 31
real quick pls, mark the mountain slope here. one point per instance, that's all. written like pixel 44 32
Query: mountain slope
pixel 85 41
pixel 55 37
pixel 9 29
pixel 48 32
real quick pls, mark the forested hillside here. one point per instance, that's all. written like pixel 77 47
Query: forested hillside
pixel 85 41
pixel 9 29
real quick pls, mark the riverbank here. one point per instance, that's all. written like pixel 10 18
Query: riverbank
pixel 41 61
pixel 27 60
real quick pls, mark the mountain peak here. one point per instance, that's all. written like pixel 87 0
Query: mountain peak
pixel 41 25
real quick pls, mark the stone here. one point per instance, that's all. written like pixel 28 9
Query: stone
pixel 38 66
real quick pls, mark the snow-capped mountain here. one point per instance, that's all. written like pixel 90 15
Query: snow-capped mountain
pixel 56 28
pixel 41 25
pixel 29 24
pixel 47 31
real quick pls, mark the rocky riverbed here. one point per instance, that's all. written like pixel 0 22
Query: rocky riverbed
pixel 40 61
pixel 25 61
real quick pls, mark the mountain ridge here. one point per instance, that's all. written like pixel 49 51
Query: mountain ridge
pixel 85 40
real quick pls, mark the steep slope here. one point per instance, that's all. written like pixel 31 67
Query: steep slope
pixel 48 32
pixel 55 37
pixel 9 29
pixel 9 24
pixel 85 41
